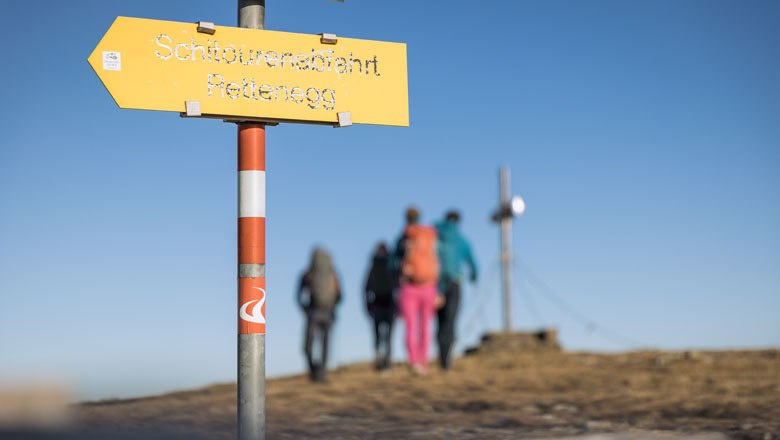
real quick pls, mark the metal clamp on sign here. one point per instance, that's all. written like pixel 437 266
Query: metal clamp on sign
pixel 192 108
pixel 345 119
pixel 206 27
pixel 328 39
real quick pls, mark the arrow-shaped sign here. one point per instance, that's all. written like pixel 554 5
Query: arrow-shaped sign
pixel 235 72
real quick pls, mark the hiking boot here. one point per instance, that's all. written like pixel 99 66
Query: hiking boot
pixel 419 370
pixel 444 361
pixel 320 374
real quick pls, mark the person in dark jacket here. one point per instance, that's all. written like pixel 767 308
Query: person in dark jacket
pixel 454 253
pixel 380 303
pixel 318 294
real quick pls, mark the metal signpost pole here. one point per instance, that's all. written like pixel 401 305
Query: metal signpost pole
pixel 506 247
pixel 251 259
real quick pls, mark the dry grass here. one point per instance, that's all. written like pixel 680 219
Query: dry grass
pixel 502 395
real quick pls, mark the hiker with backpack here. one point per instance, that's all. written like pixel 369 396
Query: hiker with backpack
pixel 454 252
pixel 380 304
pixel 318 294
pixel 417 265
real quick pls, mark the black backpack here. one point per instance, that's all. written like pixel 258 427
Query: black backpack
pixel 381 280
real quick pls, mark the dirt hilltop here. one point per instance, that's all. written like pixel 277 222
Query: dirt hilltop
pixel 732 394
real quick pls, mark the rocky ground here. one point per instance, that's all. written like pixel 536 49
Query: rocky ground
pixel 643 395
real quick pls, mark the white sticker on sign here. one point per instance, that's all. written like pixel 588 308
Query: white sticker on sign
pixel 111 60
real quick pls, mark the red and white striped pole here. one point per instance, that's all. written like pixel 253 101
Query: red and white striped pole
pixel 251 281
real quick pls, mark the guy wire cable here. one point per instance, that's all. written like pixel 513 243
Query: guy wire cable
pixel 526 294
pixel 484 294
pixel 589 324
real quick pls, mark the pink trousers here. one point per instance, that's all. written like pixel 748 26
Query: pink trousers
pixel 418 304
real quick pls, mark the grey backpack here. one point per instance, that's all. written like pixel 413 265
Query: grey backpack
pixel 323 284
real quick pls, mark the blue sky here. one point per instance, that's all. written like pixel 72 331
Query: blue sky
pixel 644 137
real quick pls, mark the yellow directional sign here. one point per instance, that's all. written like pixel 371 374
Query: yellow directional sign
pixel 235 72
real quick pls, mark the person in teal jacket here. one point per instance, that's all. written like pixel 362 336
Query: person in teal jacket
pixel 454 254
